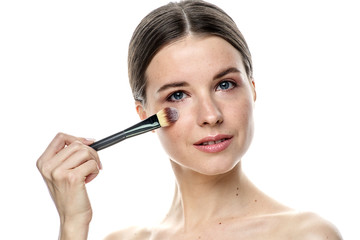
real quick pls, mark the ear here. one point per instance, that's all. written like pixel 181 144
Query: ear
pixel 140 110
pixel 253 88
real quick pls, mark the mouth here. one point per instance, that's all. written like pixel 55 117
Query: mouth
pixel 213 144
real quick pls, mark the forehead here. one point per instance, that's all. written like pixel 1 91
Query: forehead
pixel 192 57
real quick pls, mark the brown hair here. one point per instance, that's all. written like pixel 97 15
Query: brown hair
pixel 171 22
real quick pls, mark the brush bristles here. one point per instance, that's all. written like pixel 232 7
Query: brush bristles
pixel 167 116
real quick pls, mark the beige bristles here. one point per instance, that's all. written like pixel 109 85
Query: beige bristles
pixel 167 116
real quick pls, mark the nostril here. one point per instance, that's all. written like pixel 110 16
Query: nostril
pixel 218 121
pixel 209 113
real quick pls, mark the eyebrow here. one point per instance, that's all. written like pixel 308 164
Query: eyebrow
pixel 186 84
pixel 226 71
pixel 173 85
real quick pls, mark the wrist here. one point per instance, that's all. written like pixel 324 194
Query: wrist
pixel 74 230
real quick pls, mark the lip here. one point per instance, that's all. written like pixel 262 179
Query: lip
pixel 215 147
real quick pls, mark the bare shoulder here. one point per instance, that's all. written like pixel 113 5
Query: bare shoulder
pixel 131 233
pixel 310 226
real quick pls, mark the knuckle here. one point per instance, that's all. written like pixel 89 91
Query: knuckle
pixel 39 164
pixel 84 149
pixel 57 175
pixel 44 168
pixel 88 153
pixel 95 154
pixel 93 164
pixel 85 153
pixel 72 178
pixel 65 177
pixel 77 145
pixel 60 135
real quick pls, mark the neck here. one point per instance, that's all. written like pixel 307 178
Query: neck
pixel 203 199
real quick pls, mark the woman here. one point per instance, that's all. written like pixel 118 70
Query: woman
pixel 191 56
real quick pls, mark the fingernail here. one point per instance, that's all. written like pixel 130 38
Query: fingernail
pixel 101 166
pixel 90 139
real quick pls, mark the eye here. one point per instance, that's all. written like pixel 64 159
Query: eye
pixel 225 85
pixel 177 96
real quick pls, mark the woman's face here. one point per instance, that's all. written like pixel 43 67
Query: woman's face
pixel 205 80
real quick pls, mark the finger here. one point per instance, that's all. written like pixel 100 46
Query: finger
pixel 58 143
pixel 48 165
pixel 45 163
pixel 88 142
pixel 80 144
pixel 93 152
pixel 61 148
pixel 78 155
pixel 91 177
pixel 62 140
pixel 89 170
pixel 77 145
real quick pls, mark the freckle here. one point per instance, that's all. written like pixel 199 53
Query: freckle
pixel 237 188
pixel 219 223
pixel 237 194
pixel 255 200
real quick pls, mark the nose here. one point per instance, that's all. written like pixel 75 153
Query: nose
pixel 209 113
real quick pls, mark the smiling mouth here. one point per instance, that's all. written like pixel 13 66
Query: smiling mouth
pixel 212 142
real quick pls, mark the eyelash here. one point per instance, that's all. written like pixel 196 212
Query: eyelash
pixel 234 84
pixel 171 95
pixel 169 98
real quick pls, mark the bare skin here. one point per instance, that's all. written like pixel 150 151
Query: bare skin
pixel 66 166
pixel 253 216
pixel 213 198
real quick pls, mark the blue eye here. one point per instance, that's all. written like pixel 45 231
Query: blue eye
pixel 177 96
pixel 225 85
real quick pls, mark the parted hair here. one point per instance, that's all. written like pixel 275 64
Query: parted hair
pixel 171 22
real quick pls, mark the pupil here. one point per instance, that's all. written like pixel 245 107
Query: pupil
pixel 178 95
pixel 224 85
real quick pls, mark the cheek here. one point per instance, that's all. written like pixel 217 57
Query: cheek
pixel 168 135
pixel 240 117
pixel 246 112
pixel 179 132
pixel 240 111
pixel 246 121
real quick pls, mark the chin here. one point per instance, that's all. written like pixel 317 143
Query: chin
pixel 218 169
pixel 210 166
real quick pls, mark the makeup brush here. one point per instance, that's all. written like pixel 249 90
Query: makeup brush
pixel 163 118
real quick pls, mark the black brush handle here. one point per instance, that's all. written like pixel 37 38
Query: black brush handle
pixel 144 126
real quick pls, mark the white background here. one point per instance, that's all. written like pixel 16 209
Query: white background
pixel 63 68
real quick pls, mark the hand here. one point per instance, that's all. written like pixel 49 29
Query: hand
pixel 67 165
